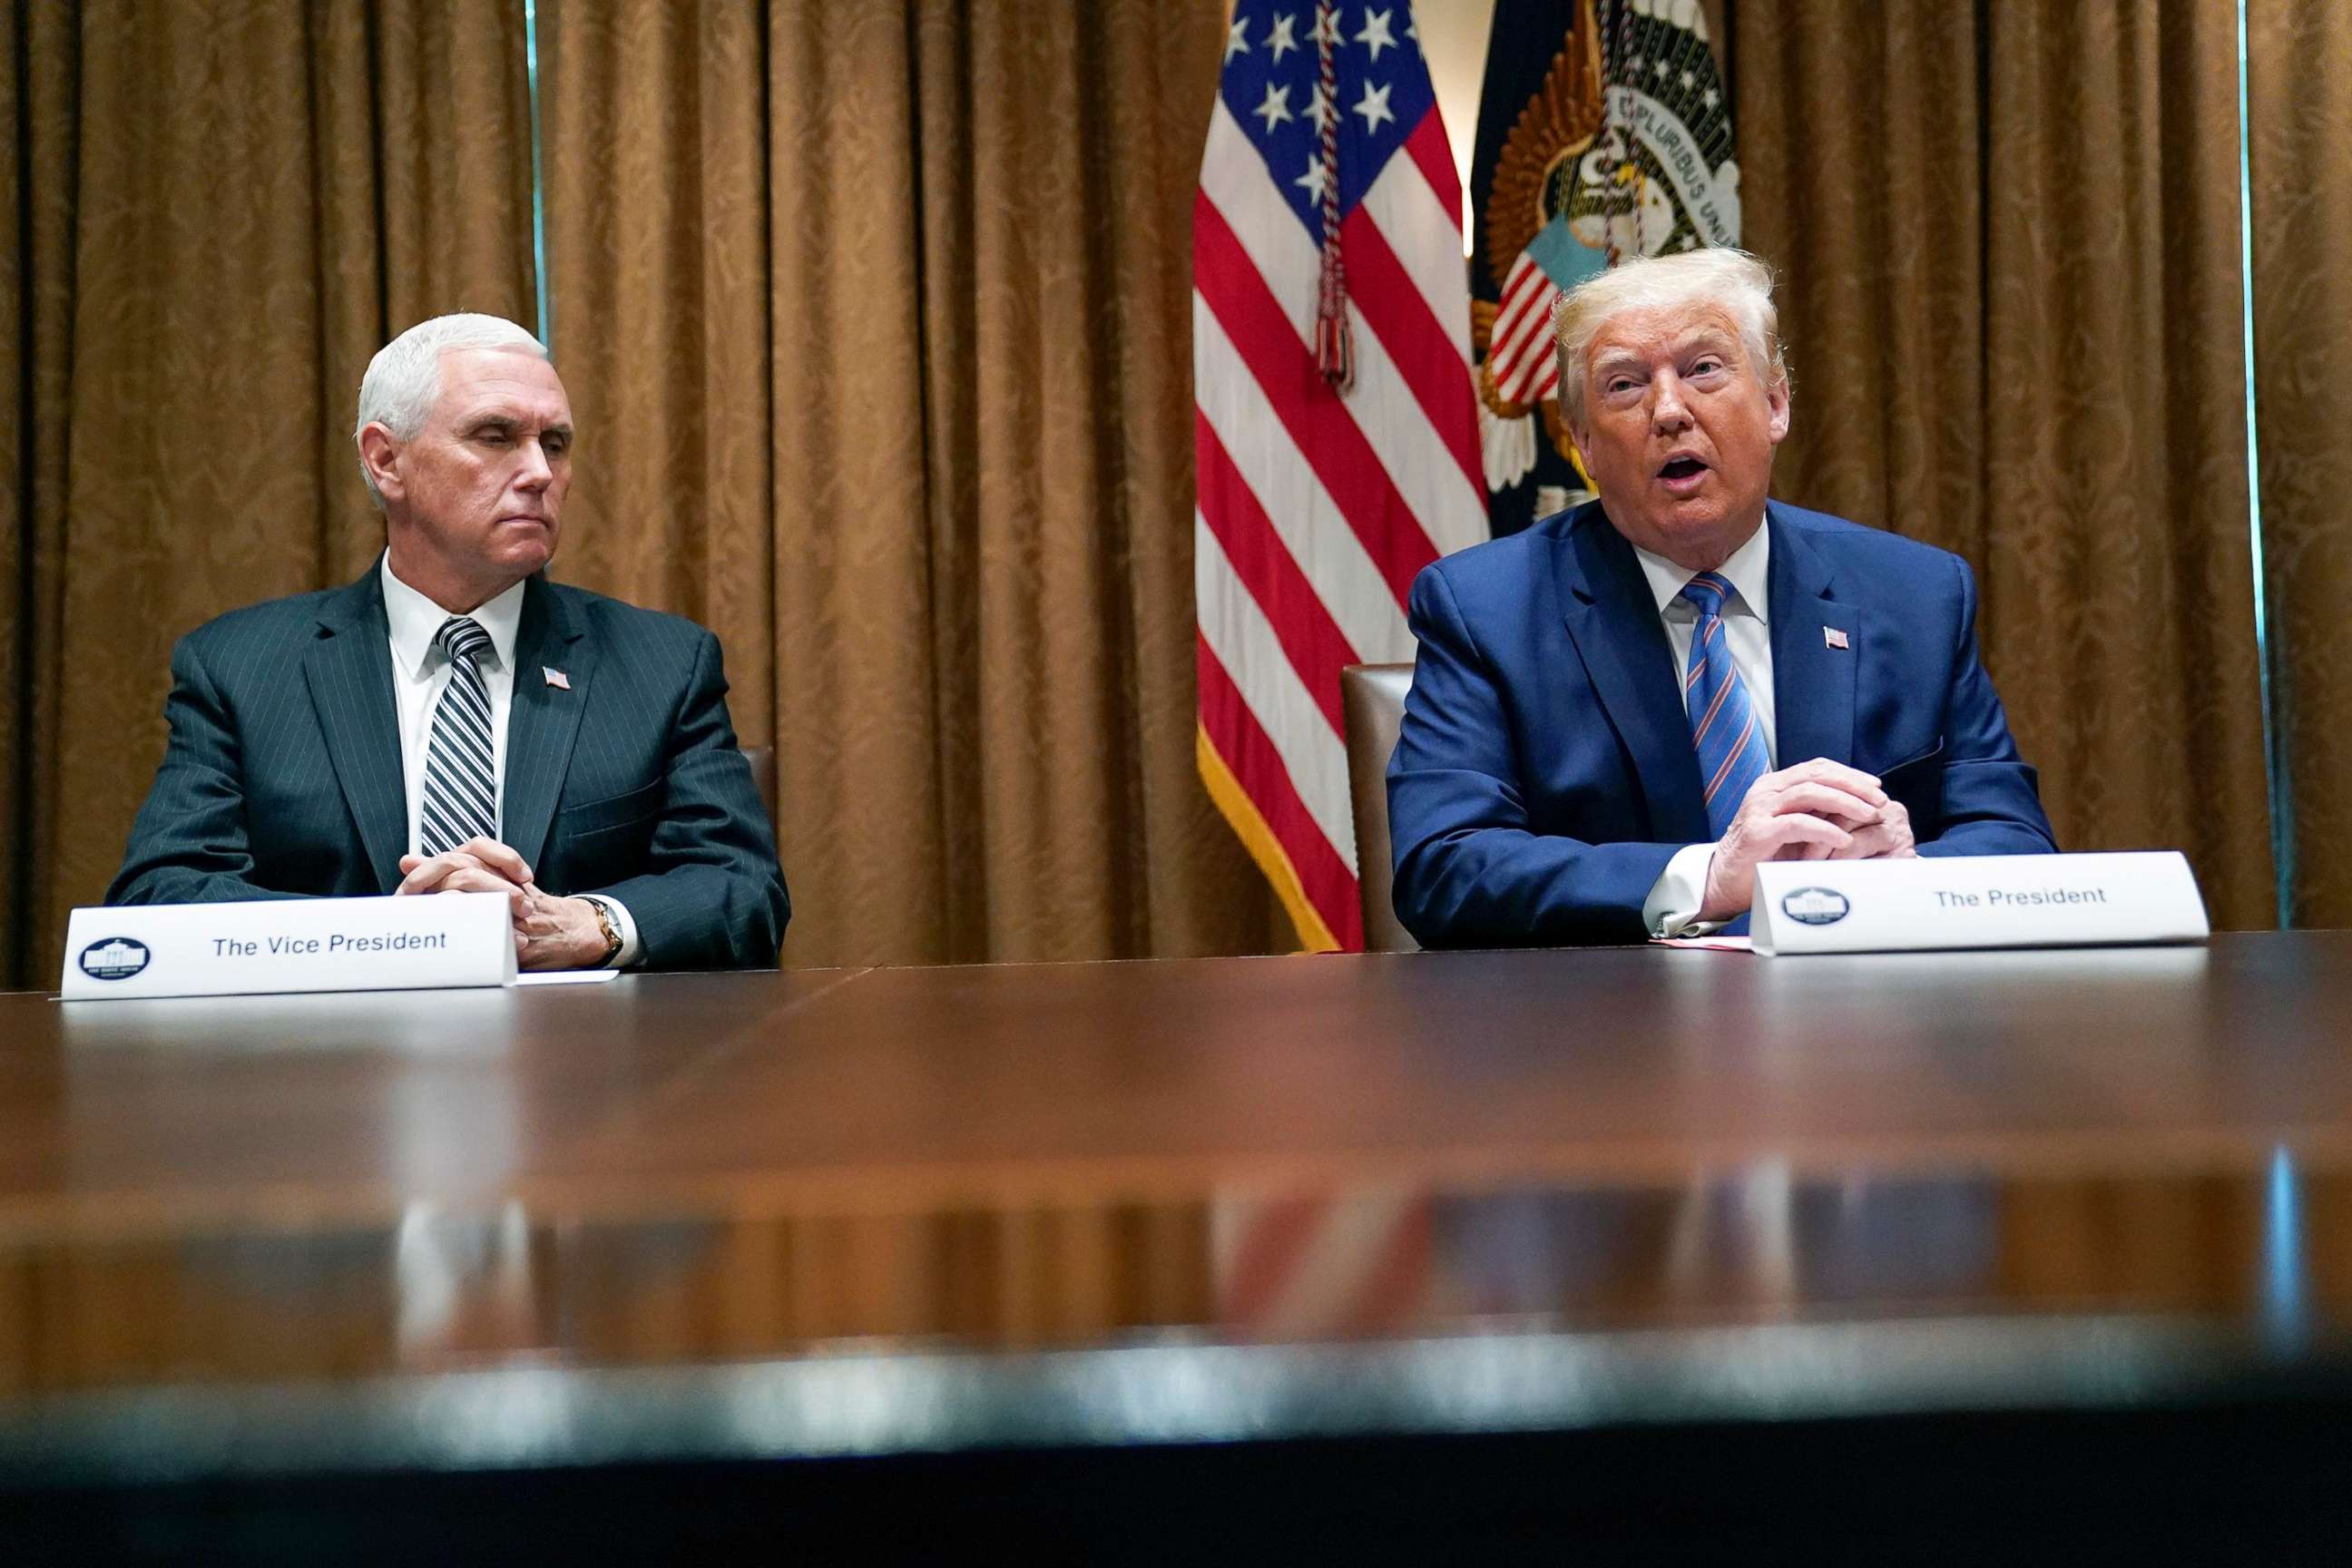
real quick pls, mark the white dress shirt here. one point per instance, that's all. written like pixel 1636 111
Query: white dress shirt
pixel 1681 890
pixel 420 673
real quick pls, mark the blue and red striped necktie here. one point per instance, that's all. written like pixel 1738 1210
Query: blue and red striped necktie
pixel 1730 745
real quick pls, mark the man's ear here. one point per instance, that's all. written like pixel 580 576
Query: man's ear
pixel 1776 396
pixel 380 454
pixel 1578 441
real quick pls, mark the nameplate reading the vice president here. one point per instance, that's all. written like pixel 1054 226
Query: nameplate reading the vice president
pixel 290 944
pixel 1989 900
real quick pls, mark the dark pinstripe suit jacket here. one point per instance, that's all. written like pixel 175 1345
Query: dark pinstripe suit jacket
pixel 282 778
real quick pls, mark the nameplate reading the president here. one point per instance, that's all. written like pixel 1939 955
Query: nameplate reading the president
pixel 1961 899
pixel 1990 901
pixel 288 945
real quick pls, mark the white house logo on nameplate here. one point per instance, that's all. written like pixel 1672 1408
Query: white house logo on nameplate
pixel 114 958
pixel 1815 906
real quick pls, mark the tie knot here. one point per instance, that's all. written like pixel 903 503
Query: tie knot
pixel 1709 591
pixel 462 637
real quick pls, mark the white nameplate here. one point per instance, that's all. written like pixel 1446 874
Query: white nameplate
pixel 290 944
pixel 1989 900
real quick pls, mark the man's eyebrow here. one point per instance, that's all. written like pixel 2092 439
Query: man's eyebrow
pixel 501 419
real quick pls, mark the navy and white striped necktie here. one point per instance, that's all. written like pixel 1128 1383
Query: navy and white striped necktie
pixel 461 799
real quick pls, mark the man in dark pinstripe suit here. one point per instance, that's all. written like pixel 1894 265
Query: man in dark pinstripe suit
pixel 454 721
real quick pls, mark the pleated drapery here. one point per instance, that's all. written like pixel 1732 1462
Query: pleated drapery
pixel 232 207
pixel 876 320
pixel 2009 239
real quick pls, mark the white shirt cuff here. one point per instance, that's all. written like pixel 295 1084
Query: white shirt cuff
pixel 1679 893
pixel 630 949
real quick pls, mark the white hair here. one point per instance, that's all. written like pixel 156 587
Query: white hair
pixel 403 381
pixel 1737 281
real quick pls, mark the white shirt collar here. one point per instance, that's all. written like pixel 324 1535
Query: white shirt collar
pixel 1749 572
pixel 415 620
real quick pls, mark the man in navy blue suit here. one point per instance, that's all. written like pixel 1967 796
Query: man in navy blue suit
pixel 1618 714
pixel 452 721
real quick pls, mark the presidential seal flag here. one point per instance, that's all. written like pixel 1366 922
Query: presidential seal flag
pixel 1603 132
pixel 1335 429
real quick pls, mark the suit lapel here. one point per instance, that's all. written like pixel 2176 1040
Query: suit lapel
pixel 1614 621
pixel 544 722
pixel 1812 679
pixel 349 672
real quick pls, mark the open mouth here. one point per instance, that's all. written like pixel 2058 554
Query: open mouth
pixel 1681 468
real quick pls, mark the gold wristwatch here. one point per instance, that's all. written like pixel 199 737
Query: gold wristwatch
pixel 612 929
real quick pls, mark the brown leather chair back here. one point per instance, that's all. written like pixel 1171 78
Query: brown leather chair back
pixel 1372 697
pixel 764 778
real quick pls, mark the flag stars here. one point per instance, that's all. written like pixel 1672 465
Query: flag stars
pixel 1277 107
pixel 1326 27
pixel 1280 37
pixel 1237 39
pixel 1313 179
pixel 1376 36
pixel 1375 108
pixel 1318 108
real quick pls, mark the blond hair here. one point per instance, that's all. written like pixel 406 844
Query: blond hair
pixel 1737 281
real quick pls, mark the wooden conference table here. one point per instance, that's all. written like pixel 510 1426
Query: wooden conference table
pixel 1394 1254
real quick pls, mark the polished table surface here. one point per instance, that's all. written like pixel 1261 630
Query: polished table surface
pixel 855 1211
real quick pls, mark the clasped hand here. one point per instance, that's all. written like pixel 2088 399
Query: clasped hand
pixel 1819 810
pixel 549 932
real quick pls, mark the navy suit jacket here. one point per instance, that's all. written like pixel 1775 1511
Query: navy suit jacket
pixel 282 776
pixel 1544 773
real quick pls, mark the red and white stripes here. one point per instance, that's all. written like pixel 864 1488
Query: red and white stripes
pixel 1521 357
pixel 1319 501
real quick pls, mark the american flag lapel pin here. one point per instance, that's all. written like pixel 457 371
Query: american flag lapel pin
pixel 563 682
pixel 1831 637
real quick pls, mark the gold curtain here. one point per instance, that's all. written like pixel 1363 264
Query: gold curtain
pixel 2009 238
pixel 229 206
pixel 874 316
pixel 877 322
pixel 2300 123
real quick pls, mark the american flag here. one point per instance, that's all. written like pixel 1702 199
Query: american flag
pixel 1315 1264
pixel 1525 369
pixel 1335 457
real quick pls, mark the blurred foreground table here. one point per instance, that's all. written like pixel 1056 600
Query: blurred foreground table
pixel 1420 1255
